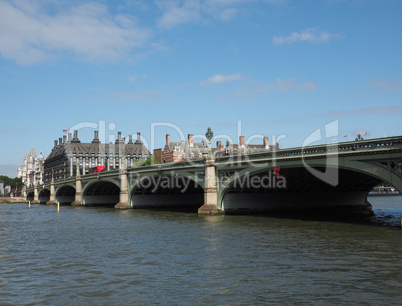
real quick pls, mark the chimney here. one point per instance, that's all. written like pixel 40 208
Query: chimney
pixel 167 139
pixel 138 136
pixel 119 140
pixel 130 139
pixel 55 143
pixel 64 138
pixel 96 137
pixel 241 140
pixel 219 145
pixel 190 140
pixel 75 139
pixel 60 141
pixel 69 137
pixel 266 142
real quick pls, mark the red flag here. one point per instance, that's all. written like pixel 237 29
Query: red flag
pixel 65 131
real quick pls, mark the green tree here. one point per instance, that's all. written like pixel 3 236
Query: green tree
pixel 145 162
pixel 150 161
pixel 13 182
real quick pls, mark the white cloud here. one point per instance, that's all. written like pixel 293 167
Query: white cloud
pixel 216 79
pixel 309 35
pixel 134 78
pixel 253 89
pixel 131 79
pixel 228 14
pixel 290 84
pixel 176 12
pixel 385 84
pixel 30 34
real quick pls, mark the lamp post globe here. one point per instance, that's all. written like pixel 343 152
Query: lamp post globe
pixel 209 135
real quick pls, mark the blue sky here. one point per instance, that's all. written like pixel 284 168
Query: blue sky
pixel 279 68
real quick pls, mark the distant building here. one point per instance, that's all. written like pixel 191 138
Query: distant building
pixel 242 147
pixel 183 150
pixel 32 169
pixel 71 154
pixel 7 190
pixel 17 192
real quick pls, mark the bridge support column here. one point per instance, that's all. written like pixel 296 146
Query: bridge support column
pixel 36 195
pixel 78 191
pixel 51 200
pixel 210 206
pixel 123 200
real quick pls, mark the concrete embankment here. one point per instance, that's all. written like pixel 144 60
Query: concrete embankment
pixel 12 200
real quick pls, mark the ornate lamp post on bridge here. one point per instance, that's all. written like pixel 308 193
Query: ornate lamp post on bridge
pixel 210 206
pixel 209 134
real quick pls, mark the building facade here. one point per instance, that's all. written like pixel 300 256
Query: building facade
pixel 183 150
pixel 32 169
pixel 242 147
pixel 70 155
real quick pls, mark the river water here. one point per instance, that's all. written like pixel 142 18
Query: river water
pixel 100 256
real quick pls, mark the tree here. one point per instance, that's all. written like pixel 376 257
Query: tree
pixel 13 182
pixel 145 162
pixel 150 161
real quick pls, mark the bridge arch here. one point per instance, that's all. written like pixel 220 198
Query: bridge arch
pixel 304 191
pixel 167 191
pixel 30 196
pixel 65 194
pixel 101 193
pixel 43 196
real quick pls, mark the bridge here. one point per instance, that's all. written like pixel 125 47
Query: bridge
pixel 332 177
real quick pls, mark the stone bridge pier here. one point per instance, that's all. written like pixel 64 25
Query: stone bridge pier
pixel 210 206
pixel 78 191
pixel 52 198
pixel 123 197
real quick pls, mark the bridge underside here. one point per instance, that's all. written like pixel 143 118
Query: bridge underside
pixel 165 192
pixel 30 196
pixel 297 190
pixel 44 196
pixel 65 195
pixel 101 194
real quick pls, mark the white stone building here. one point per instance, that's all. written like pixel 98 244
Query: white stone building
pixel 32 169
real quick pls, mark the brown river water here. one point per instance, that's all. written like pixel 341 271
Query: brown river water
pixel 100 256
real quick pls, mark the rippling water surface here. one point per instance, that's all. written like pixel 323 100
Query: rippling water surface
pixel 98 256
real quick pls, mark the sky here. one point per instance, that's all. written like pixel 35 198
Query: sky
pixel 276 68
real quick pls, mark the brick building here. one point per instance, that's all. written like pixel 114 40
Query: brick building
pixel 183 150
pixel 242 147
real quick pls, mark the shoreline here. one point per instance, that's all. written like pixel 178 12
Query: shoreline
pixel 4 200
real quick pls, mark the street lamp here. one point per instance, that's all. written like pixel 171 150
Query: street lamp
pixel 209 134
